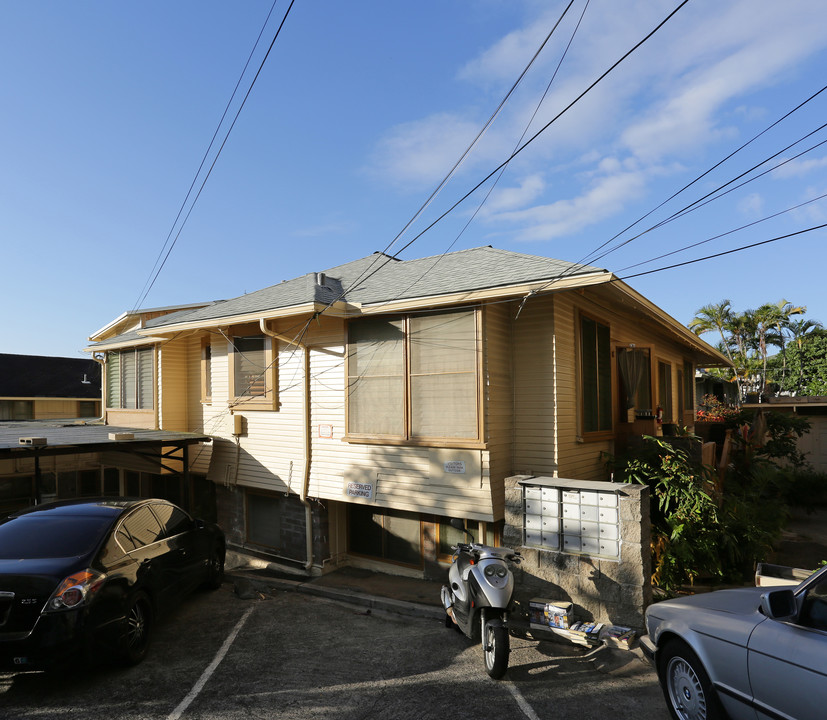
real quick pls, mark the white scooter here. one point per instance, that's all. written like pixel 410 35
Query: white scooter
pixel 477 597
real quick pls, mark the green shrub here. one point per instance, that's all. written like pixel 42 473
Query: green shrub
pixel 700 530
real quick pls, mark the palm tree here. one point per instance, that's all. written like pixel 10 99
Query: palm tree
pixel 716 317
pixel 785 310
pixel 799 329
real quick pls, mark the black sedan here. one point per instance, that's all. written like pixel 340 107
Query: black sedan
pixel 88 578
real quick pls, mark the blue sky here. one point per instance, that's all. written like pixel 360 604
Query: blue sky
pixel 360 111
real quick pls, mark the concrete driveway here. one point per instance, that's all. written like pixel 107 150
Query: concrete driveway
pixel 282 654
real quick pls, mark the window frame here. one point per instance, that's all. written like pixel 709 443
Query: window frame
pixel 666 395
pixel 407 438
pixel 605 400
pixel 206 371
pixel 269 400
pixel 622 396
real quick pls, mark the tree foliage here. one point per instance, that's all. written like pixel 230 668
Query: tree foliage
pixel 761 345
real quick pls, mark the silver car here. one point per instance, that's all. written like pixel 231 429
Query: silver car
pixel 750 653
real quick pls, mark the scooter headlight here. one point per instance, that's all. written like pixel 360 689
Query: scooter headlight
pixel 490 570
pixel 501 571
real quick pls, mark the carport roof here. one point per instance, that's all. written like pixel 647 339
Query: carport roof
pixel 75 438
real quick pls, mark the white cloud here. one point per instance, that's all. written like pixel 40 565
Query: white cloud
pixel 511 198
pixel 417 152
pixel 799 168
pixel 602 199
pixel 687 88
pixel 752 205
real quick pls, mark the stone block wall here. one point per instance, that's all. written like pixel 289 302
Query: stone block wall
pixel 613 591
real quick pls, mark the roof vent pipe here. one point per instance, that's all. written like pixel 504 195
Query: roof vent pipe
pixel 320 278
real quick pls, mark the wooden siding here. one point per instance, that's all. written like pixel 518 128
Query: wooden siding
pixel 499 400
pixel 579 456
pixel 270 454
pixel 172 385
pixel 143 419
pixel 535 388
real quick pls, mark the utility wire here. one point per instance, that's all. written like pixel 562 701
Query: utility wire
pixel 700 202
pixel 145 289
pixel 513 155
pixel 727 252
pixel 728 232
pixel 517 144
pixel 462 157
pixel 218 154
pixel 706 172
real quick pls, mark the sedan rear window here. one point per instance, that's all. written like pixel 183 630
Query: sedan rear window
pixel 53 537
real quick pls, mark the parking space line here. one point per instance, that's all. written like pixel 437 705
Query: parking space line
pixel 528 711
pixel 210 669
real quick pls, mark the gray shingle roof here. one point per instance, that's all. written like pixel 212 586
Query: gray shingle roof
pixel 380 278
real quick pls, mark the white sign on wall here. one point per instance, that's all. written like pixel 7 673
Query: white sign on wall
pixel 359 489
pixel 455 467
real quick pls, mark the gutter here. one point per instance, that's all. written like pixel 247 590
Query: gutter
pixel 308 510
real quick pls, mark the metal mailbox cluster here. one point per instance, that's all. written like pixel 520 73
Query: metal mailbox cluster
pixel 571 520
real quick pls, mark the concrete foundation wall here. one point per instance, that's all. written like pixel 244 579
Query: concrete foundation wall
pixel 608 591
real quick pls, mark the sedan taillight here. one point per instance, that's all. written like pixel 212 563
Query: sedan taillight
pixel 75 590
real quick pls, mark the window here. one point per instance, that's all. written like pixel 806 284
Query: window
pixel 264 520
pixel 635 376
pixel 392 535
pixel 414 377
pixel 665 390
pixel 173 520
pixel 130 379
pixel 16 410
pixel 140 528
pixel 252 372
pixel 88 409
pixel 814 609
pixel 596 376
pixel 206 371
pixel 686 390
pixel 449 536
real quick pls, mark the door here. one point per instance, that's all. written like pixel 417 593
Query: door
pixel 788 662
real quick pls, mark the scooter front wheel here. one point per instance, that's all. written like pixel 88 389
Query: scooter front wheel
pixel 495 648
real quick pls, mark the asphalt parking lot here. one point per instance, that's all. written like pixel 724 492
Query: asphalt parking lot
pixel 281 654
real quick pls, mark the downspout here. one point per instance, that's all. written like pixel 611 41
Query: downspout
pixel 101 360
pixel 308 509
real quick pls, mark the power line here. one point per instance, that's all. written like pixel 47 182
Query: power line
pixel 727 252
pixel 502 172
pixel 707 172
pixel 465 153
pixel 142 294
pixel 728 232
pixel 218 153
pixel 545 127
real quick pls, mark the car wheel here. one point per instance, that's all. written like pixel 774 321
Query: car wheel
pixel 686 685
pixel 215 575
pixel 138 630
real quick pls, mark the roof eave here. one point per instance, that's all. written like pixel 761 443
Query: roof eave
pixel 711 356
pixel 548 285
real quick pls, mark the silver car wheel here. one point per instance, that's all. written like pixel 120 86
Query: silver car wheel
pixel 685 690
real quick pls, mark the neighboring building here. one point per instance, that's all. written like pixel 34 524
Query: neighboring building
pixel 355 410
pixel 34 387
pixel 813 444
pixel 53 444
